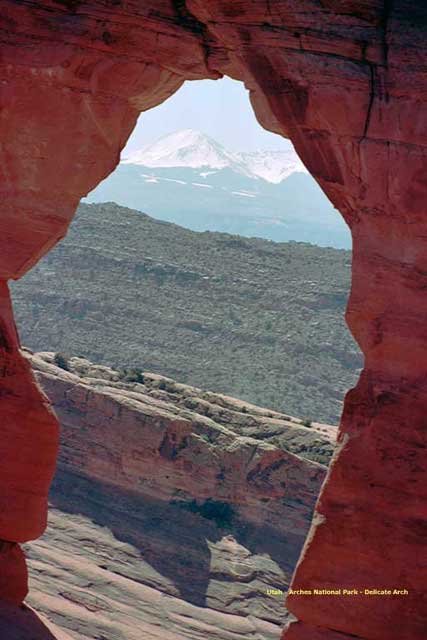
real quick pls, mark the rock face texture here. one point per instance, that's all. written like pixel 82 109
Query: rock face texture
pixel 27 426
pixel 346 81
pixel 151 440
pixel 175 511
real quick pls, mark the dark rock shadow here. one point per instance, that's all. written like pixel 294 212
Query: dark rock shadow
pixel 22 623
pixel 171 538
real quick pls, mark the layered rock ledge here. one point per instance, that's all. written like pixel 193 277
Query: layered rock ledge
pixel 175 512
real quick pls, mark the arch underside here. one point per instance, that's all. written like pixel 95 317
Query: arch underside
pixel 346 82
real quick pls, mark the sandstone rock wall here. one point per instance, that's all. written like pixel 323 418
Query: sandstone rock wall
pixel 346 81
pixel 169 441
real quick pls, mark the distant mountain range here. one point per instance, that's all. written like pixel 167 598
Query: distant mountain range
pixel 192 180
pixel 195 150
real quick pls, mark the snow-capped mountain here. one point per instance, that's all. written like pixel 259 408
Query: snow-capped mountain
pixel 273 166
pixel 186 148
pixel 195 150
pixel 190 179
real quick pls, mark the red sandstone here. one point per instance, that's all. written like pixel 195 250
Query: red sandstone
pixel 346 81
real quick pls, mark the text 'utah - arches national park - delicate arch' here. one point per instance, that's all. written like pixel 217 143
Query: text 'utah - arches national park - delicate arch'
pixel 346 81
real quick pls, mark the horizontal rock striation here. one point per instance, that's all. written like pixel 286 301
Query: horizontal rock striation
pixel 173 437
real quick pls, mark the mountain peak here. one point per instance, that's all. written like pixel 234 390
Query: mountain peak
pixel 196 150
pixel 188 136
pixel 184 148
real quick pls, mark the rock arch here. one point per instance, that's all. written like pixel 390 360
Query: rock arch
pixel 347 82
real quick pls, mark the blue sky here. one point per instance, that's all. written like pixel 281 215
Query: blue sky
pixel 219 108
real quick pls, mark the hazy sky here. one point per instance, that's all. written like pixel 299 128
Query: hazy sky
pixel 220 108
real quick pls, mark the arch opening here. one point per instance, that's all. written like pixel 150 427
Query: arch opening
pixel 206 309
pixel 262 322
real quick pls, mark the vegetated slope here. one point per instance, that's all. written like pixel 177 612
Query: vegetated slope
pixel 254 319
pixel 174 510
pixel 225 201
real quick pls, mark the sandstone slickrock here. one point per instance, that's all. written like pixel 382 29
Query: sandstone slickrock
pixel 174 510
pixel 346 81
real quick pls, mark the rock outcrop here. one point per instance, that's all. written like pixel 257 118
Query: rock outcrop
pixel 171 437
pixel 346 81
pixel 176 512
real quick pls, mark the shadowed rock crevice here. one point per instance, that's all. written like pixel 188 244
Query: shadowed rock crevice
pixel 22 623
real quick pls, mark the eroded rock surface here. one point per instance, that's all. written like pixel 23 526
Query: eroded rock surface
pixel 174 510
pixel 175 437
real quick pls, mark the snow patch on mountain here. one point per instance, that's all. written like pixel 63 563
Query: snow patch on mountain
pixel 244 194
pixel 273 166
pixel 195 150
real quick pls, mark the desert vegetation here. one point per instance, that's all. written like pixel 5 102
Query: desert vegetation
pixel 255 319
